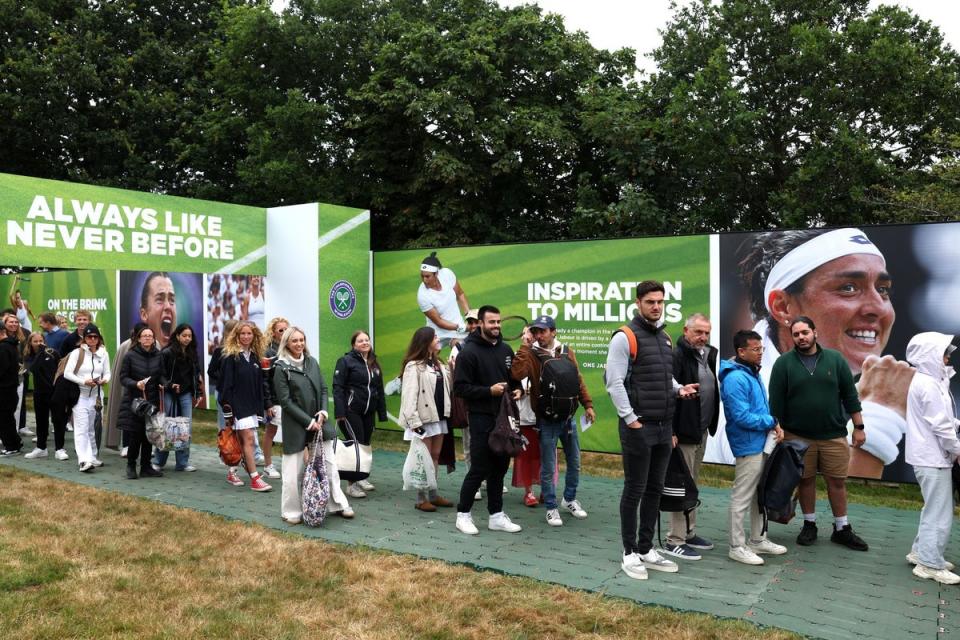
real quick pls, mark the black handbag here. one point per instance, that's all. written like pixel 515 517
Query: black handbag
pixel 505 439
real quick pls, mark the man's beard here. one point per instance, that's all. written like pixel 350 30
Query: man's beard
pixel 488 336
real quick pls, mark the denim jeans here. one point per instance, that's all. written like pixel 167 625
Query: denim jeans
pixel 176 404
pixel 936 517
pixel 566 432
pixel 645 454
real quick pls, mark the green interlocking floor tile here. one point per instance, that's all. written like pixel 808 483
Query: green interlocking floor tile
pixel 822 591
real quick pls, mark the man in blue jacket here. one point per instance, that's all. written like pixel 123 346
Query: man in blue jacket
pixel 749 424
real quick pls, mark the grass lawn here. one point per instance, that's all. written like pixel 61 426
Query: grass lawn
pixel 118 566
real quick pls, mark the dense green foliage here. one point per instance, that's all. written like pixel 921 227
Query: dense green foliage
pixel 460 122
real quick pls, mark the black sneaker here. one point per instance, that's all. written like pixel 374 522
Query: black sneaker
pixel 697 542
pixel 848 538
pixel 132 473
pixel 147 471
pixel 680 551
pixel 808 535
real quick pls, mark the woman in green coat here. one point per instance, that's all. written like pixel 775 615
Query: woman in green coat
pixel 300 391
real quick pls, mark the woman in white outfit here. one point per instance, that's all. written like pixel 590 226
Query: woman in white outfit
pixel 301 392
pixel 93 371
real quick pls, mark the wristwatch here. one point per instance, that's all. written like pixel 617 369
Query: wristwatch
pixel 858 427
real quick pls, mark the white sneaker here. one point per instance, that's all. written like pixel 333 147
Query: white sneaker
pixel 553 518
pixel 61 454
pixel 366 485
pixel 501 522
pixel 912 557
pixel 354 491
pixel 744 555
pixel 271 471
pixel 156 467
pixel 189 468
pixel 97 462
pixel 26 432
pixel 574 508
pixel 465 524
pixel 259 459
pixel 768 547
pixel 653 560
pixel 86 466
pixel 505 488
pixel 943 576
pixel 123 452
pixel 478 495
pixel 69 426
pixel 632 565
pixel 36 453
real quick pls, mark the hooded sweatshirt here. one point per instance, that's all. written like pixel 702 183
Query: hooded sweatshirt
pixel 480 365
pixel 931 410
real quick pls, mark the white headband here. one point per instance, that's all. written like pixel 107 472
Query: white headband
pixel 814 253
pixel 429 267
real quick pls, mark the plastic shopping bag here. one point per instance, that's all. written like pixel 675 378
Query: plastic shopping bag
pixel 418 470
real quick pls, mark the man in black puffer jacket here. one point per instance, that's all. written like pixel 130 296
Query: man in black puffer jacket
pixel 639 378
pixel 482 377
pixel 694 361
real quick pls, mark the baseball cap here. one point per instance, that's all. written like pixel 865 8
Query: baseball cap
pixel 543 322
pixel 472 314
pixel 91 330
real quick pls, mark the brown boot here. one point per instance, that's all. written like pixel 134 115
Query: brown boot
pixel 425 506
pixel 440 501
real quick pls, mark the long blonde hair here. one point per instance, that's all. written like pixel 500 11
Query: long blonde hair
pixel 268 334
pixel 231 345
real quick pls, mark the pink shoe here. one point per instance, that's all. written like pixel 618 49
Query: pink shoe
pixel 234 479
pixel 257 484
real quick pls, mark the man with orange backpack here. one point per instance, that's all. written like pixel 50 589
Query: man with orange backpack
pixel 639 378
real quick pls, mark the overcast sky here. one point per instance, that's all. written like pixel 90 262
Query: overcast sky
pixel 612 24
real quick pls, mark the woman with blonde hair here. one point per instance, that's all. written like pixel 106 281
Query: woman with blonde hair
pixel 425 403
pixel 301 392
pixel 275 330
pixel 244 395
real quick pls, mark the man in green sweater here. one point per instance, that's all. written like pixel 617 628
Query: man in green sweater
pixel 810 387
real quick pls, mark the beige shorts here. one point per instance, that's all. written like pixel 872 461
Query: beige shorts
pixel 829 457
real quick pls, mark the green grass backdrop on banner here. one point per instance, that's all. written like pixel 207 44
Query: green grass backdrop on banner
pixel 507 276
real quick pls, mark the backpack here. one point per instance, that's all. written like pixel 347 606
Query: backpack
pixel 63 365
pixel 680 492
pixel 559 386
pixel 781 474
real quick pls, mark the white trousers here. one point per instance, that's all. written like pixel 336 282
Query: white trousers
pixel 84 437
pixel 292 467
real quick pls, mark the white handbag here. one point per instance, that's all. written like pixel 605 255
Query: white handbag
pixel 353 459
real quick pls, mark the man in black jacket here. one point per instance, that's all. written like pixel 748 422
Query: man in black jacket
pixel 482 377
pixel 694 361
pixel 9 381
pixel 639 378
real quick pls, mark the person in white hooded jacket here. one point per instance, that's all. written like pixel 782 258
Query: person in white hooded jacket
pixel 93 372
pixel 932 447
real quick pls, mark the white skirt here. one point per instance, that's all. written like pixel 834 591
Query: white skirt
pixel 429 429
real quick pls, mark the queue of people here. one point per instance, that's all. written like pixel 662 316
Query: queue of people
pixel 667 396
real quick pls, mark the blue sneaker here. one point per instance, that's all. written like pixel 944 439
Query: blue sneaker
pixel 681 551
pixel 697 542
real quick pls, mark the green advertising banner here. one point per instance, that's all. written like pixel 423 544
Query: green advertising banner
pixel 63 293
pixel 344 270
pixel 589 287
pixel 47 223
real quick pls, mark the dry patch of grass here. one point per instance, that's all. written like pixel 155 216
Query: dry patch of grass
pixel 81 563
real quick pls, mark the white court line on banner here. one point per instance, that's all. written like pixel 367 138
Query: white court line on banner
pixel 322 241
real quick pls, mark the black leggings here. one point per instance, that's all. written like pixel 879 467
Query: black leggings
pixel 362 425
pixel 138 442
pixel 41 408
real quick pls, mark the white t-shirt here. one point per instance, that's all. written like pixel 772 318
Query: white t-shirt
pixel 444 301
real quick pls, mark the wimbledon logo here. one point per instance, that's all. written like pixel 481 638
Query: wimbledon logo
pixel 343 299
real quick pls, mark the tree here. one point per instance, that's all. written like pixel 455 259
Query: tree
pixel 788 112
